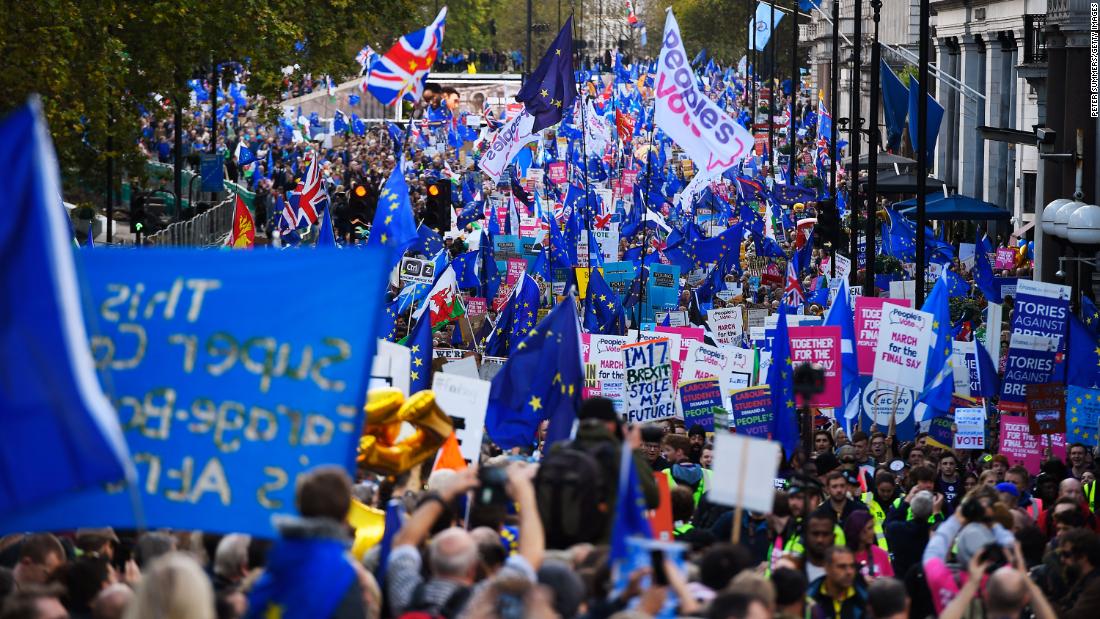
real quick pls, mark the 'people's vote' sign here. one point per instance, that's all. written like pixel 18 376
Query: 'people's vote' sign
pixel 901 356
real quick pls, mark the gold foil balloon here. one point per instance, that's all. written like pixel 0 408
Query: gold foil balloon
pixel 369 524
pixel 383 449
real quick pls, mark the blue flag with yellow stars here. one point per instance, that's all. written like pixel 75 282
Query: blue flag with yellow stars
pixel 541 380
pixel 1083 356
pixel 420 355
pixel 781 383
pixel 603 313
pixel 938 382
pixel 1089 314
pixel 516 320
pixel 394 225
pixel 388 330
pixel 553 86
pixel 428 243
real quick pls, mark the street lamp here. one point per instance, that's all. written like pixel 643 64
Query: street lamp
pixel 1083 227
pixel 1061 218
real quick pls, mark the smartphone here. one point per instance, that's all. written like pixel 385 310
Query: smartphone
pixel 657 563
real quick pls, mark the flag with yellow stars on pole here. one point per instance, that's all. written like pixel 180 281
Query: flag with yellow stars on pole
pixel 935 401
pixel 552 88
pixel 1082 415
pixel 541 380
pixel 420 355
pixel 1082 362
pixel 781 382
pixel 394 225
pixel 602 312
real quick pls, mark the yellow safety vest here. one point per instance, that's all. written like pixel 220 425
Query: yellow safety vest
pixel 1090 495
pixel 704 483
pixel 879 515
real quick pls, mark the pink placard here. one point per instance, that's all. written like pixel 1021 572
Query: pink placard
pixel 1020 446
pixel 516 268
pixel 867 316
pixel 820 345
pixel 1006 258
pixel 685 333
pixel 556 172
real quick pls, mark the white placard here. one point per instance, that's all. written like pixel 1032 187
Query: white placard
pixel 903 290
pixel 843 266
pixel 969 428
pixel 466 366
pixel 743 472
pixel 604 374
pixel 727 324
pixel 390 367
pixel 465 400
pixel 705 361
pixel 757 317
pixel 901 356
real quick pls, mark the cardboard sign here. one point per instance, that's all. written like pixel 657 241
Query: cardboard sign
pixel 969 428
pixel 1046 408
pixel 821 346
pixel 415 270
pixel 556 172
pixel 1022 447
pixel 843 266
pixel 390 367
pixel 699 399
pixel 732 366
pixel 465 400
pixel 476 306
pixel 901 356
pixel 867 318
pixel 222 405
pixel 604 374
pixel 727 325
pixel 743 472
pixel 649 393
pixel 1083 413
pixel 1039 317
pixel 752 412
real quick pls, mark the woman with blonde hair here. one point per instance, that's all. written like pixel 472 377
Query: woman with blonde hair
pixel 174 587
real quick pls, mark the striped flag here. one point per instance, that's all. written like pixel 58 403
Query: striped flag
pixel 403 70
pixel 312 192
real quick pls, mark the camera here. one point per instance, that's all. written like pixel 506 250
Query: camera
pixel 995 555
pixel 491 485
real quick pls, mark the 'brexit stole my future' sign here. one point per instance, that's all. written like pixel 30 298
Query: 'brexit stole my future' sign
pixel 232 374
pixel 649 389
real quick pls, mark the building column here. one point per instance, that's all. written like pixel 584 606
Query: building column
pixel 943 94
pixel 997 89
pixel 970 114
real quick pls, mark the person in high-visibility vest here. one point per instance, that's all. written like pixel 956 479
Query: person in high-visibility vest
pixel 683 471
pixel 882 498
pixel 1032 505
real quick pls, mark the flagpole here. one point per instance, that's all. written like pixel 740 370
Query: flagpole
pixel 771 97
pixel 796 84
pixel 834 105
pixel 645 216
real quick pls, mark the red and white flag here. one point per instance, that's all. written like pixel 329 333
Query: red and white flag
pixel 244 227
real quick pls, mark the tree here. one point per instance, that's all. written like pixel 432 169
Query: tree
pixel 94 62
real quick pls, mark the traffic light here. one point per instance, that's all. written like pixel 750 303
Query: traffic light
pixel 137 216
pixel 828 224
pixel 437 215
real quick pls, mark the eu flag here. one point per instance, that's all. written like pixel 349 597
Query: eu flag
pixel 630 519
pixel 552 87
pixel 781 383
pixel 1083 356
pixel 61 434
pixel 541 380
pixel 420 355
pixel 983 271
pixel 516 320
pixel 1089 314
pixel 429 243
pixel 603 313
pixel 394 225
pixel 938 383
pixel 466 267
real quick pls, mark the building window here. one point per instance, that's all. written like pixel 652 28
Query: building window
pixel 1035 45
pixel 1029 193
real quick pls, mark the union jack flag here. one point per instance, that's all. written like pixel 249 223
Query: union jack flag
pixel 313 195
pixel 364 56
pixel 792 295
pixel 289 219
pixel 403 70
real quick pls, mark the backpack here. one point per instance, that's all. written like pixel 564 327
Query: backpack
pixel 573 491
pixel 419 608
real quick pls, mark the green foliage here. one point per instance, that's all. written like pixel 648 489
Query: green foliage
pixel 888 265
pixel 94 63
pixel 906 73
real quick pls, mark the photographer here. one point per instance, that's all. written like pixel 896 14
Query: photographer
pixel 972 532
pixel 1005 593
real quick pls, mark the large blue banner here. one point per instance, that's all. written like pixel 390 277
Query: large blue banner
pixel 232 373
pixel 1039 322
pixel 662 289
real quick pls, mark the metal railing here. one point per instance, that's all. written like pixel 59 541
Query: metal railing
pixel 207 229
pixel 1035 45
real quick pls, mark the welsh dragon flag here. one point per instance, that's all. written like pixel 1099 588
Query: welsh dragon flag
pixel 443 301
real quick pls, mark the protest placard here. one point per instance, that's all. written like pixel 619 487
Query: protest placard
pixel 556 172
pixel 676 318
pixel 415 270
pixel 882 400
pixel 679 338
pixel 1046 408
pixel 699 401
pixel 727 324
pixel 819 346
pixel 732 366
pixel 752 412
pixel 901 354
pixel 649 392
pixel 756 317
pixel 867 318
pixel 222 405
pixel 906 290
pixel 1020 446
pixel 843 266
pixel 941 431
pixel 662 289
pixel 1083 415
pixel 969 428
pixel 390 367
pixel 466 366
pixel 490 366
pixel 604 374
pixel 1039 320
pixel 476 306
pixel 744 468
pixel 966 255
pixel 608 240
pixel 465 400
pixel 1006 258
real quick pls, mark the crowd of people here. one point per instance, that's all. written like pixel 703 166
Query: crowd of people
pixel 863 525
